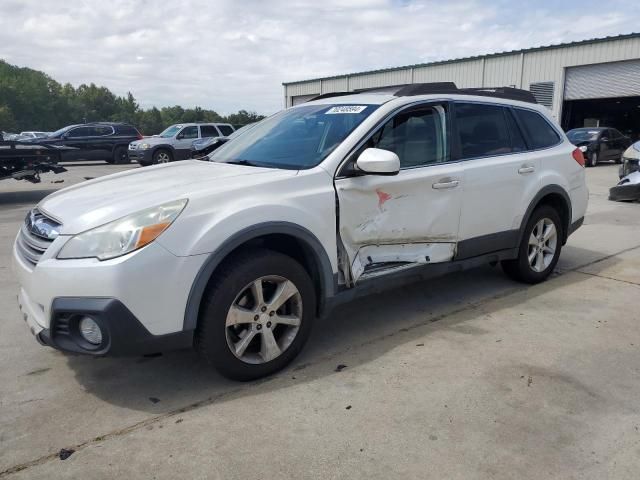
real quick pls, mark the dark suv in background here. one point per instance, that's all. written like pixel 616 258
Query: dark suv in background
pixel 106 141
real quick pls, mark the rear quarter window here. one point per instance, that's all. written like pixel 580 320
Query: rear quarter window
pixel 226 130
pixel 127 130
pixel 539 132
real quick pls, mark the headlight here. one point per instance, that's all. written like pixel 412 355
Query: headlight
pixel 583 148
pixel 124 235
pixel 144 146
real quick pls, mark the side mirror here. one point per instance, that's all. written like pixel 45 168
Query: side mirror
pixel 378 162
pixel 180 136
pixel 604 139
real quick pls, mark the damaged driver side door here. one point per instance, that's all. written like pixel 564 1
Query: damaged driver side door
pixel 388 223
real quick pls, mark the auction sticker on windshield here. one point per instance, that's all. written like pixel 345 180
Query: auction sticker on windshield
pixel 346 109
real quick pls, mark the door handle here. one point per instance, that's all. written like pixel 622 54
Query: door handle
pixel 447 184
pixel 528 169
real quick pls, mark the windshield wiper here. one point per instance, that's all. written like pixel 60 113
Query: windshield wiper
pixel 243 162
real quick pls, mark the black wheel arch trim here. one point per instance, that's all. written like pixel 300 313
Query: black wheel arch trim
pixel 328 281
pixel 163 146
pixel 546 190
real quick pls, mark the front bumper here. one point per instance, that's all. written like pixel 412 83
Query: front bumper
pixel 122 332
pixel 625 193
pixel 140 298
pixel 143 157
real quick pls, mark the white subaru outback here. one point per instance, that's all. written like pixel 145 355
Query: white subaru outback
pixel 341 196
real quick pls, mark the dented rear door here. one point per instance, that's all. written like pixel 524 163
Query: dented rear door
pixel 392 222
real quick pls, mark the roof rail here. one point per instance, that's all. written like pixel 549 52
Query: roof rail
pixel 413 89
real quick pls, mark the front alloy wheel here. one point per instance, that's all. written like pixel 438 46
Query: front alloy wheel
pixel 162 157
pixel 256 314
pixel 264 319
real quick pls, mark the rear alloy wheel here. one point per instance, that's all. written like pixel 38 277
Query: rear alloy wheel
pixel 120 156
pixel 256 314
pixel 539 248
pixel 162 156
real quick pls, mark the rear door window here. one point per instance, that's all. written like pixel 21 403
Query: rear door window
pixel 483 130
pixel 102 131
pixel 540 134
pixel 208 131
pixel 517 139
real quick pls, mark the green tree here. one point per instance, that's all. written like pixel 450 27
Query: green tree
pixel 31 100
pixel 7 122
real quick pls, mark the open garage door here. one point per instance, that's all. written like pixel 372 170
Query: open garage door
pixel 605 94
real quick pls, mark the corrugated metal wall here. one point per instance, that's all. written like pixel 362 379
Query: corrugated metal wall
pixel 603 80
pixel 519 69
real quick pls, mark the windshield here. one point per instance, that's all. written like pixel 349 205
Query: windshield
pixel 59 133
pixel 171 131
pixel 297 138
pixel 582 135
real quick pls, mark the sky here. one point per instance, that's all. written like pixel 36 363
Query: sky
pixel 234 54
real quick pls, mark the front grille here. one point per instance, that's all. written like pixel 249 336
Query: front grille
pixel 33 242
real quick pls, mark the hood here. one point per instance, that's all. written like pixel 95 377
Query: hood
pixel 633 151
pixel 96 202
pixel 153 141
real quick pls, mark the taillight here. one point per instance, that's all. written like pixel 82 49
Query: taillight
pixel 578 156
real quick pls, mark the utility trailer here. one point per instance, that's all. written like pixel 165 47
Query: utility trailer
pixel 27 160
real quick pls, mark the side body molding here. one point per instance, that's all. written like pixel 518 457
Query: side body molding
pixel 326 274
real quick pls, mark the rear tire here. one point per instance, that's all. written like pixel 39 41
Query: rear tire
pixel 120 156
pixel 233 311
pixel 162 156
pixel 539 249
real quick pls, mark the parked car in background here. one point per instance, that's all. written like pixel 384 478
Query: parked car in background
pixel 175 142
pixel 29 135
pixel 627 189
pixel 630 160
pixel 203 147
pixel 325 201
pixel 599 144
pixel 107 141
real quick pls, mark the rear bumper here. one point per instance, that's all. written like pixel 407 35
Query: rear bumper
pixel 122 332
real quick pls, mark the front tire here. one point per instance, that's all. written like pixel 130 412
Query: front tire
pixel 162 156
pixel 256 315
pixel 539 249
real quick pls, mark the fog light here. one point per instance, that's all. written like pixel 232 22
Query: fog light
pixel 90 331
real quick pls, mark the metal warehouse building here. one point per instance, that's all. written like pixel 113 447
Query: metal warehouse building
pixel 586 83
